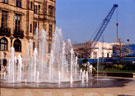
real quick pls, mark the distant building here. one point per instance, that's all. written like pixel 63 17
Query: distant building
pixel 110 52
pixel 101 50
pixel 125 50
pixel 19 20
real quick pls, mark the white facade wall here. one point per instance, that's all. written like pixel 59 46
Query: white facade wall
pixel 102 49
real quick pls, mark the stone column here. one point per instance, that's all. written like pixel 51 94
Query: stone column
pixel 11 25
pixel 11 21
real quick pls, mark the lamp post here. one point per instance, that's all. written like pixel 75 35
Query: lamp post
pixel 128 42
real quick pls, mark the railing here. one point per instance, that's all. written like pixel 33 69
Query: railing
pixel 5 31
pixel 18 33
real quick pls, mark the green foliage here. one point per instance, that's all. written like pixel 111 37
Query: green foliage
pixel 118 66
pixel 115 65
pixel 94 69
pixel 121 66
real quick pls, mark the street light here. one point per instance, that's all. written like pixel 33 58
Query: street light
pixel 128 41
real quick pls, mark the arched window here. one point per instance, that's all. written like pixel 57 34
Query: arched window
pixel 17 45
pixel 3 44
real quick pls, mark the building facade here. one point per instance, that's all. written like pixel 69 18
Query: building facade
pixel 19 20
pixel 101 50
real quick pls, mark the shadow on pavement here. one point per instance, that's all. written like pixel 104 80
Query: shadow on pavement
pixel 126 95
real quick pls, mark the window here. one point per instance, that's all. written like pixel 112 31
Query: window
pixel 35 9
pixel 3 44
pixel 4 19
pixel 34 27
pixel 31 5
pixel 39 7
pixel 30 27
pixel 17 45
pixel 50 30
pixel 18 3
pixel 5 1
pixel 50 10
pixel 17 22
pixel 103 54
pixel 95 55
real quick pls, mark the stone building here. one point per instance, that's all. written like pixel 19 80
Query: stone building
pixel 19 20
pixel 101 50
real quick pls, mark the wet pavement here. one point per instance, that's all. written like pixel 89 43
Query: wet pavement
pixel 101 82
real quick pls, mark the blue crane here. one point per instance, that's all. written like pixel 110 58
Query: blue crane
pixel 102 28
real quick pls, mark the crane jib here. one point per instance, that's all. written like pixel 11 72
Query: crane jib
pixel 103 27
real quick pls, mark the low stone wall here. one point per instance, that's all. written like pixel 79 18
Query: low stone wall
pixel 120 74
pixel 128 75
pixel 133 75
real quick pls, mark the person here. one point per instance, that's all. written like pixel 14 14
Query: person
pixel 85 65
pixel 90 69
pixel 4 62
pixel 3 68
pixel 0 67
pixel 84 71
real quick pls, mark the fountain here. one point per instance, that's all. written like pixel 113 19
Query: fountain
pixel 57 69
pixel 62 65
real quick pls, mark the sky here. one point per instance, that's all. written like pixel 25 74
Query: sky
pixel 80 19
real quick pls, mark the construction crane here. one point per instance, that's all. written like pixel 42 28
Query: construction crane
pixel 91 45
